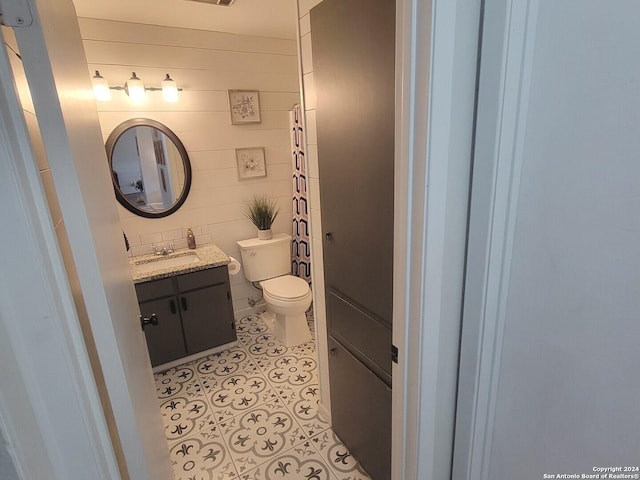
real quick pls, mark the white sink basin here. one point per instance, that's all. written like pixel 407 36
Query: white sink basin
pixel 163 263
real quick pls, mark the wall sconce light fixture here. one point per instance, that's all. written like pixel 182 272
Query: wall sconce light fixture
pixel 134 88
pixel 169 89
pixel 101 87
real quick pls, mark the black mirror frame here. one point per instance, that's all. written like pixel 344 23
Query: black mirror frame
pixel 146 122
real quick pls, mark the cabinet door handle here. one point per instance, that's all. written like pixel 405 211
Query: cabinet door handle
pixel 172 306
pixel 183 301
pixel 329 236
pixel 152 320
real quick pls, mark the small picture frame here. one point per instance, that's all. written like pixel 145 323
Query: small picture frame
pixel 251 163
pixel 244 106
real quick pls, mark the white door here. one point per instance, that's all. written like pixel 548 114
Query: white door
pixel 48 396
pixel 550 358
pixel 57 74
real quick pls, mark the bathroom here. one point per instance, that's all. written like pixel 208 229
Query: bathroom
pixel 206 65
pixel 545 250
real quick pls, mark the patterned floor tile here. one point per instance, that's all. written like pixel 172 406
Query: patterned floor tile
pixel 306 349
pixel 251 412
pixel 265 345
pixel 180 380
pixel 225 363
pixel 301 462
pixel 202 456
pixel 258 435
pixel 338 457
pixel 183 416
pixel 257 337
pixel 250 326
pixel 238 393
pixel 290 369
pixel 303 404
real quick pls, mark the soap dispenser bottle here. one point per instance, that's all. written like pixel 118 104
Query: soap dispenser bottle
pixel 191 239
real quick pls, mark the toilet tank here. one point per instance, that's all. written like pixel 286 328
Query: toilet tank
pixel 263 259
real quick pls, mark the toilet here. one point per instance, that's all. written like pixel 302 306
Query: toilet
pixel 287 297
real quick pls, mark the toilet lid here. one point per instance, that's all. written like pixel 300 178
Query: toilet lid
pixel 286 287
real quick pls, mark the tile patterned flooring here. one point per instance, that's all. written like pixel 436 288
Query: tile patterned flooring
pixel 251 413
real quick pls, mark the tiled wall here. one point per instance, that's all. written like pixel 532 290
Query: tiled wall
pixel 205 64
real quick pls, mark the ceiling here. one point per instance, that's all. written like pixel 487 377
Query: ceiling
pixel 265 18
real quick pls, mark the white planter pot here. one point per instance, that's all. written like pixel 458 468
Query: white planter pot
pixel 265 234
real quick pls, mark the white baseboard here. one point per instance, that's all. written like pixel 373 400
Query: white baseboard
pixel 324 413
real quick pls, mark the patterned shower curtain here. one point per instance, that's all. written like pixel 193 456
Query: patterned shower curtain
pixel 300 251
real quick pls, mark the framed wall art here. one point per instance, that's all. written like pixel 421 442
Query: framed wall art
pixel 251 163
pixel 244 106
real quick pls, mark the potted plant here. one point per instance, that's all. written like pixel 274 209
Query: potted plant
pixel 262 211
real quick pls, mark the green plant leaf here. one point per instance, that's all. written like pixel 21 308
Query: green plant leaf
pixel 262 211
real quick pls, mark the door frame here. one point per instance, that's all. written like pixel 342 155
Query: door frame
pixel 509 36
pixel 437 44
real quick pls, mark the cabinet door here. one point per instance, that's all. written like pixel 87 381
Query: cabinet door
pixel 165 341
pixel 360 406
pixel 207 318
pixel 353 58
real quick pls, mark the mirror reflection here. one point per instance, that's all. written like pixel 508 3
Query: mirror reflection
pixel 150 168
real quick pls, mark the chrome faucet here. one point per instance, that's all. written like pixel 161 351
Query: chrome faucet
pixel 164 250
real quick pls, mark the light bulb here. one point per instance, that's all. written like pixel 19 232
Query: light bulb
pixel 169 89
pixel 135 88
pixel 100 88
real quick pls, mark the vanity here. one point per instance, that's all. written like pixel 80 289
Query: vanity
pixel 187 296
pixel 184 295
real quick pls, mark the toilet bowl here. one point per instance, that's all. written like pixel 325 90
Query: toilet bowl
pixel 287 297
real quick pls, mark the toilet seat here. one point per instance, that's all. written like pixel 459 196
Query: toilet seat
pixel 286 288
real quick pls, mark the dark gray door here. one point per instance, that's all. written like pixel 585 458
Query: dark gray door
pixel 207 317
pixel 353 44
pixel 165 340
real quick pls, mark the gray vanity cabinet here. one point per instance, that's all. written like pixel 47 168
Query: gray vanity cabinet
pixel 207 316
pixel 161 338
pixel 194 313
pixel 353 61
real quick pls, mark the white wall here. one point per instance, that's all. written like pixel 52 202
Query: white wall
pixel 315 219
pixel 7 468
pixel 205 64
pixel 561 310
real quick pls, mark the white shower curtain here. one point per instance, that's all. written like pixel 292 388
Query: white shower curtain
pixel 300 251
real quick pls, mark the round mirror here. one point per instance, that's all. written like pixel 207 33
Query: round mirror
pixel 149 166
